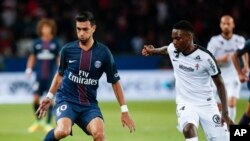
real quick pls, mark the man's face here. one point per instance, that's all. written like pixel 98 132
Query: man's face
pixel 227 25
pixel 84 31
pixel 181 39
pixel 46 30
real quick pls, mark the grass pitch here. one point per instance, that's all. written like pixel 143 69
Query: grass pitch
pixel 155 121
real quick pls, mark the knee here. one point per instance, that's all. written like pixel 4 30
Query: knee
pixel 98 135
pixel 190 131
pixel 62 133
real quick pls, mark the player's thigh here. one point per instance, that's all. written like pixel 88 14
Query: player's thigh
pixel 84 121
pixel 65 110
pixel 186 114
pixel 210 120
pixel 96 125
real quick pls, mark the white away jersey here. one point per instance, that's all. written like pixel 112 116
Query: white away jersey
pixel 193 74
pixel 219 46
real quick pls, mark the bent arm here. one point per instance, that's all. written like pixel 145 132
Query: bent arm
pixel 237 62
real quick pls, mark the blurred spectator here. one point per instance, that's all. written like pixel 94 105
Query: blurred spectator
pixel 124 25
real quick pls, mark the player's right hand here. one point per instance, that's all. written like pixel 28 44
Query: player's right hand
pixel 28 73
pixel 243 78
pixel 44 107
pixel 147 50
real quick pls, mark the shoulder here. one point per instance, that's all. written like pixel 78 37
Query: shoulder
pixel 102 47
pixel 239 37
pixel 215 38
pixel 204 52
pixel 69 45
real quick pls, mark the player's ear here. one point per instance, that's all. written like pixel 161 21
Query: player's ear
pixel 93 28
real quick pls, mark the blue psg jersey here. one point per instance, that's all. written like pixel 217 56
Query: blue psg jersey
pixel 81 71
pixel 46 54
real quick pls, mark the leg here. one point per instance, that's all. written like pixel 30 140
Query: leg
pixel 96 129
pixel 37 123
pixel 210 120
pixel 190 132
pixel 36 101
pixel 62 130
pixel 188 121
pixel 232 101
pixel 245 119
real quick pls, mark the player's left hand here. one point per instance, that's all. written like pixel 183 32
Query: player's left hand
pixel 226 119
pixel 127 121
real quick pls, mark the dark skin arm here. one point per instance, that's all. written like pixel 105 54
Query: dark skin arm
pixel 242 75
pixel 151 50
pixel 218 81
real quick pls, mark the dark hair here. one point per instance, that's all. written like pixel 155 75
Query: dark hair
pixel 85 16
pixel 184 25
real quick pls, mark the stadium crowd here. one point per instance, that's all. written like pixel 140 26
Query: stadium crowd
pixel 125 26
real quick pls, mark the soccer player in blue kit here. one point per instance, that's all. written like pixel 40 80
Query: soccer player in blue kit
pixel 43 59
pixel 82 63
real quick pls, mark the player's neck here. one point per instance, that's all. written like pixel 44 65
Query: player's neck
pixel 87 45
pixel 47 38
pixel 227 36
pixel 189 49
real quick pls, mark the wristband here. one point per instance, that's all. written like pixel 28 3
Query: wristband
pixel 124 108
pixel 28 70
pixel 50 96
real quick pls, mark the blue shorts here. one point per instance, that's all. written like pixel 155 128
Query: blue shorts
pixel 41 86
pixel 79 114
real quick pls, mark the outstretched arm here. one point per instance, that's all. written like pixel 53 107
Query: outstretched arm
pixel 218 81
pixel 151 50
pixel 125 119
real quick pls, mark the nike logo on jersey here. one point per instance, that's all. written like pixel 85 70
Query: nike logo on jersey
pixel 71 61
pixel 175 60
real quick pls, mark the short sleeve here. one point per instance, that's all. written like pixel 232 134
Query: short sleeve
pixel 62 64
pixel 212 66
pixel 110 68
pixel 211 46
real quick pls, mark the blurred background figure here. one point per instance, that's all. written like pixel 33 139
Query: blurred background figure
pixel 222 46
pixel 43 58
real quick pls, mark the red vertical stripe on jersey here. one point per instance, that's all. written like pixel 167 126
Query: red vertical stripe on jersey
pixel 85 64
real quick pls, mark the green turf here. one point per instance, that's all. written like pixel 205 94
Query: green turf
pixel 155 121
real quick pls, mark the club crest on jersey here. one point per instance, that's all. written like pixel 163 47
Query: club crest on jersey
pixel 98 64
pixel 197 66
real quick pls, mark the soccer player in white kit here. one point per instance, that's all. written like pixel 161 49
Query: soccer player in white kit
pixel 194 67
pixel 222 47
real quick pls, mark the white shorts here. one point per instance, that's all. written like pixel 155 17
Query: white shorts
pixel 208 116
pixel 232 87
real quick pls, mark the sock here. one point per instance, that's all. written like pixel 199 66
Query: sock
pixel 232 113
pixel 36 106
pixel 50 136
pixel 49 117
pixel 192 139
pixel 245 120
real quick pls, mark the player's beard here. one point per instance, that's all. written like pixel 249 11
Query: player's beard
pixel 84 41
